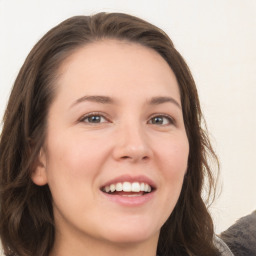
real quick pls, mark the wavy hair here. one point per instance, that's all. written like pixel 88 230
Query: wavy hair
pixel 26 214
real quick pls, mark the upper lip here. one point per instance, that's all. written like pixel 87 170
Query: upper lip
pixel 129 178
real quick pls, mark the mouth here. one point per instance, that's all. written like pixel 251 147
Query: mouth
pixel 128 189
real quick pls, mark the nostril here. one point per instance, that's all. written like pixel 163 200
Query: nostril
pixel 130 157
pixel 125 157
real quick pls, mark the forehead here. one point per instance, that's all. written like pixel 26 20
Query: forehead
pixel 112 66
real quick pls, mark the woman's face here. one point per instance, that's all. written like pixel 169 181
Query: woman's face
pixel 115 132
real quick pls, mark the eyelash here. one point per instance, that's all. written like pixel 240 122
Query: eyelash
pixel 94 114
pixel 170 120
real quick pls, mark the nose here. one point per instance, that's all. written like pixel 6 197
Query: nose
pixel 132 144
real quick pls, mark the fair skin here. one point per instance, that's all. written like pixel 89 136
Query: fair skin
pixel 116 118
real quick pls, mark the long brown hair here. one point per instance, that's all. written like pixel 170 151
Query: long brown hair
pixel 26 215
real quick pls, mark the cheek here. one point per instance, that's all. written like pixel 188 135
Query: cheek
pixel 173 163
pixel 73 154
pixel 72 165
pixel 173 155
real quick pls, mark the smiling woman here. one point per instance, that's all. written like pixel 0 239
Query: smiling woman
pixel 102 150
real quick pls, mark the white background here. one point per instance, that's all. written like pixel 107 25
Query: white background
pixel 217 39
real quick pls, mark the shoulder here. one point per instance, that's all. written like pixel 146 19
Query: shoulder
pixel 222 247
pixel 241 237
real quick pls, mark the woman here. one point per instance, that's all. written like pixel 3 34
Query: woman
pixel 102 150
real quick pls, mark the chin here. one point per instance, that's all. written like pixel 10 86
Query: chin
pixel 127 239
pixel 129 233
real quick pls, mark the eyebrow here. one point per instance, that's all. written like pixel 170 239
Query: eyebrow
pixel 94 98
pixel 161 100
pixel 108 100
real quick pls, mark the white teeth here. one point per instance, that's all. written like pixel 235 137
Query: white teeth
pixel 112 187
pixel 128 187
pixel 119 186
pixel 135 187
pixel 107 189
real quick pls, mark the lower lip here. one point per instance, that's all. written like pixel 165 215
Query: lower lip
pixel 130 201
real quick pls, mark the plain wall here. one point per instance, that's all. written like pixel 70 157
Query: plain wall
pixel 217 39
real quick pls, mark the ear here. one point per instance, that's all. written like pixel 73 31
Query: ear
pixel 39 175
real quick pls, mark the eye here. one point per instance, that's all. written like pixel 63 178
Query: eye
pixel 161 120
pixel 94 118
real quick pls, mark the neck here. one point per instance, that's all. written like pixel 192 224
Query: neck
pixel 87 246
